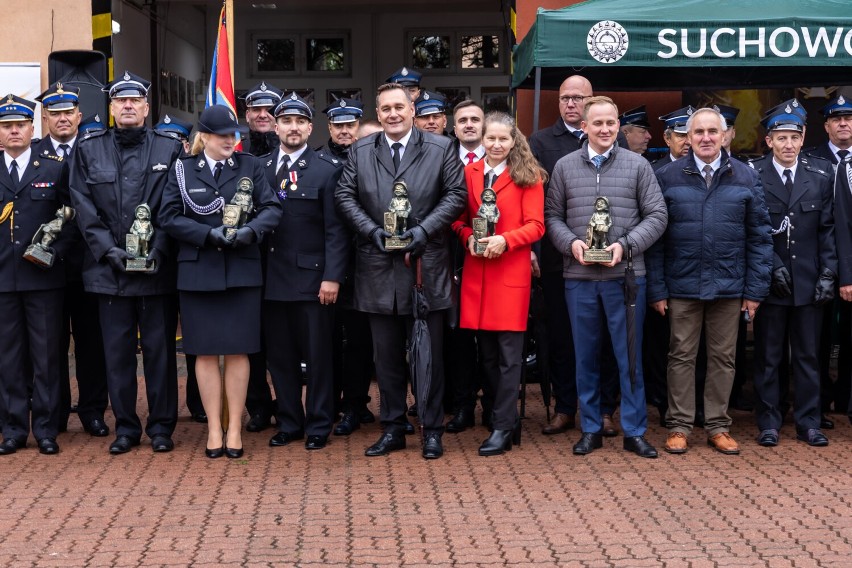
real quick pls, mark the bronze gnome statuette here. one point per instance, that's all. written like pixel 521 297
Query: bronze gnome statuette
pixel 40 252
pixel 596 233
pixel 396 217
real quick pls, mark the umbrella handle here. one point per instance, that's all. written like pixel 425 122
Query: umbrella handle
pixel 418 269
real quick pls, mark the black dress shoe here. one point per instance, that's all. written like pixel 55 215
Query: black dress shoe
pixel 48 446
pixel 234 453
pixel 412 410
pixel 316 442
pixel 639 446
pixel 162 443
pixel 259 422
pixel 432 447
pixel 386 444
pixel 365 416
pixel 588 443
pixel 462 420
pixel 10 446
pixel 409 428
pixel 768 438
pixel 214 453
pixel 348 424
pixel 122 445
pixel 284 438
pixel 96 427
pixel 499 442
pixel 814 437
pixel 200 417
pixel 826 423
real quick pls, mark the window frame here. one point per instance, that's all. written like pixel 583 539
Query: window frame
pixel 300 37
pixel 455 34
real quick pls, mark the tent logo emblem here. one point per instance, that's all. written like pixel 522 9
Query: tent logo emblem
pixel 607 41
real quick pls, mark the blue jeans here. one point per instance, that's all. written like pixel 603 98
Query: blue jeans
pixel 591 306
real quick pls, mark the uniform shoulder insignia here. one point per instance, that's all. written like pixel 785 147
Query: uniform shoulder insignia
pixel 164 135
pixel 328 158
pixel 817 162
pixel 816 170
pixel 52 157
pixel 94 134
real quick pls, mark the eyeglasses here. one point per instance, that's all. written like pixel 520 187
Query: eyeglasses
pixel 577 99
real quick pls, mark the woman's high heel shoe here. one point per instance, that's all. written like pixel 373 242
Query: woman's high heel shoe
pixel 214 453
pixel 498 442
pixel 233 453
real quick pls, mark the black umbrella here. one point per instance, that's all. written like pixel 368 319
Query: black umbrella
pixel 536 326
pixel 631 290
pixel 420 346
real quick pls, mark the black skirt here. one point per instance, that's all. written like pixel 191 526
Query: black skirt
pixel 221 323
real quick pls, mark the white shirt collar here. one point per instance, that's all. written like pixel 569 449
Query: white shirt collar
pixel 23 161
pixel 834 149
pixel 715 164
pixel 498 169
pixel 570 128
pixel 294 157
pixel 211 163
pixel 780 169
pixel 605 154
pixel 404 141
pixel 56 143
pixel 480 153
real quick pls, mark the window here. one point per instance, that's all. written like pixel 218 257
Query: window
pixel 457 51
pixel 277 53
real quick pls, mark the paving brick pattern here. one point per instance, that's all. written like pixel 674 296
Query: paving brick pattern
pixel 538 505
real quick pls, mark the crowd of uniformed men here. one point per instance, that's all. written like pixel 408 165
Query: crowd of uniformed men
pixel 770 243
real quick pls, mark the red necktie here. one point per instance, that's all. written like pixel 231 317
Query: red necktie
pixel 471 156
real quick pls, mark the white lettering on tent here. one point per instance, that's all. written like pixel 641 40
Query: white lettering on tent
pixel 760 42
pixel 821 37
pixel 661 37
pixel 773 42
pixel 702 44
pixel 714 39
pixel 847 42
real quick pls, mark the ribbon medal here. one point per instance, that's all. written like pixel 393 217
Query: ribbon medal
pixel 294 177
pixel 282 194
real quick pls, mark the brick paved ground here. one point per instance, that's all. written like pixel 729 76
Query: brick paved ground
pixel 537 506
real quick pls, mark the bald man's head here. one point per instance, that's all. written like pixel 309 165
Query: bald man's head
pixel 572 94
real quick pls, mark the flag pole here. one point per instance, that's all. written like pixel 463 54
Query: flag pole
pixel 229 19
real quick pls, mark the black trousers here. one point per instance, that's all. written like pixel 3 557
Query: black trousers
pixel 839 314
pixel 772 325
pixel 655 359
pixel 353 359
pixel 258 396
pixel 30 331
pixel 155 318
pixel 502 358
pixel 560 346
pixel 460 352
pixel 80 319
pixel 296 332
pixel 389 337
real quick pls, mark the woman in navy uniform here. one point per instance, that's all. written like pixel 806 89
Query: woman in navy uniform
pixel 219 272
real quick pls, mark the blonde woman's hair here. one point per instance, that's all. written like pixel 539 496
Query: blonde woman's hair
pixel 524 169
pixel 197 144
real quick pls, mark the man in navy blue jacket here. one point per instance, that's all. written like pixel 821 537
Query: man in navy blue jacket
pixel 714 261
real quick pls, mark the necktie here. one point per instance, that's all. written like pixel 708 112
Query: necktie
pixel 471 157
pixel 788 181
pixel 578 134
pixel 65 150
pixel 598 161
pixel 397 148
pixel 217 171
pixel 14 172
pixel 708 175
pixel 281 174
pixel 489 179
pixel 842 154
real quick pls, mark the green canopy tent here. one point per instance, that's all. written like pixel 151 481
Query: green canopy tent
pixel 654 45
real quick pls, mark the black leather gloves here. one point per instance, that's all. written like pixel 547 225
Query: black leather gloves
pixel 116 258
pixel 824 287
pixel 781 282
pixel 419 238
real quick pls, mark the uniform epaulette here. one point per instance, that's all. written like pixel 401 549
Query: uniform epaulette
pixel 333 160
pixel 52 157
pixel 164 135
pixel 817 167
pixel 756 163
pixel 94 134
pixel 816 161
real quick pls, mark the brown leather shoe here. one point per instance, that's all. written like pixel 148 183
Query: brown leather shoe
pixel 676 443
pixel 609 430
pixel 723 442
pixel 558 424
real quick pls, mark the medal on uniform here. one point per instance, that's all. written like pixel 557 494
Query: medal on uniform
pixel 282 193
pixel 294 177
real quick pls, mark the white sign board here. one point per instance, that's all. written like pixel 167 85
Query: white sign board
pixel 23 80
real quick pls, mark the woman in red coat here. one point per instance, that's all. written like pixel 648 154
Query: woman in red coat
pixel 495 292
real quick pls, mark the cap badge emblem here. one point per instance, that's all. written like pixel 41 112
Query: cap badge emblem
pixel 167 120
pixel 263 86
pixel 404 72
pixel 126 76
pixel 788 109
pixel 841 100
